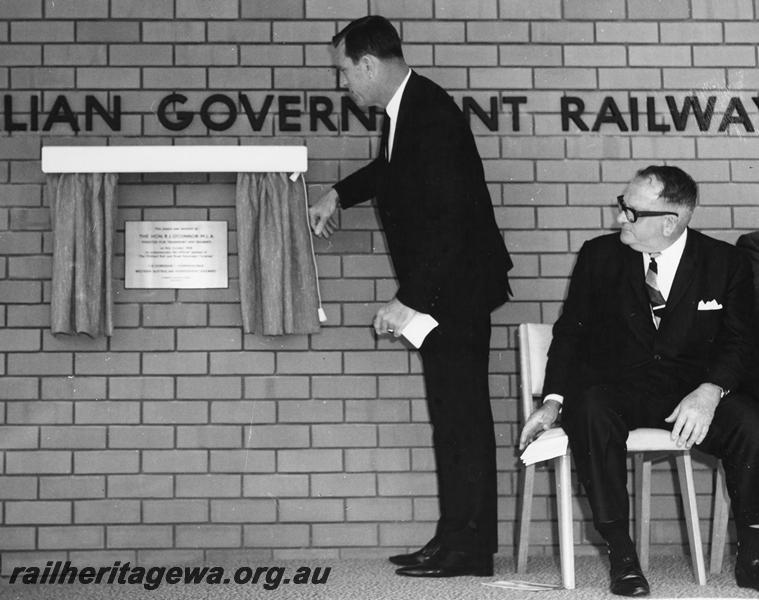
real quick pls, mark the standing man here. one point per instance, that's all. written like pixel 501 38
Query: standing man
pixel 450 261
pixel 656 331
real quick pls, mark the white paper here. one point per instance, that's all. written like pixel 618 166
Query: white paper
pixel 418 327
pixel 524 586
pixel 550 444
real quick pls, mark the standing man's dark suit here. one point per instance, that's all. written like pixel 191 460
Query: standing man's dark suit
pixel 451 262
pixel 617 371
pixel 435 208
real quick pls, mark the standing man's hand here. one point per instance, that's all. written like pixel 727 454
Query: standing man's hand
pixel 693 415
pixel 539 421
pixel 392 318
pixel 321 214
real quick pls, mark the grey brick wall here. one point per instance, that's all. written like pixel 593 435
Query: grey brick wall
pixel 183 438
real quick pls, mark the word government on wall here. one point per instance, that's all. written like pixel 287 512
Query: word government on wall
pixel 292 113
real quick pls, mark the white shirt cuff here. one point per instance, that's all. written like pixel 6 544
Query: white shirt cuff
pixel 556 397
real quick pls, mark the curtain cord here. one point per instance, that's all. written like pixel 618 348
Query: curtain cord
pixel 321 312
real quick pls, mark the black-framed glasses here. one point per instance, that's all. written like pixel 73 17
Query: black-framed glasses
pixel 633 215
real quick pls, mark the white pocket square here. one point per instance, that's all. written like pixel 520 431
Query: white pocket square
pixel 711 305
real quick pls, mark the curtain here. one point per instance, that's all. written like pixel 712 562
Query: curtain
pixel 278 283
pixel 82 207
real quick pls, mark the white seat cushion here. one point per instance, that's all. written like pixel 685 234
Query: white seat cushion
pixel 647 439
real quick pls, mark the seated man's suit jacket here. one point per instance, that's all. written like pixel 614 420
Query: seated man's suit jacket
pixel 435 207
pixel 605 333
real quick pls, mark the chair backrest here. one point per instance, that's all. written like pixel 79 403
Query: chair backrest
pixel 534 340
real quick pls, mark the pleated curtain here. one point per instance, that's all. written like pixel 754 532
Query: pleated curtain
pixel 82 210
pixel 278 283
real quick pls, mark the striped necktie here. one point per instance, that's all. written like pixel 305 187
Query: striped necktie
pixel 657 301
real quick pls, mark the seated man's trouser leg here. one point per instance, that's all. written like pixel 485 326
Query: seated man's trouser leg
pixel 598 419
pixel 455 362
pixel 734 438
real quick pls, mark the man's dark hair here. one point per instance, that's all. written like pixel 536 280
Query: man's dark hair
pixel 679 187
pixel 373 35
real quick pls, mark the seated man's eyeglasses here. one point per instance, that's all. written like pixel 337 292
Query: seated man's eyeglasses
pixel 633 215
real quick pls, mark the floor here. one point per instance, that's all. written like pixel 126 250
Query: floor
pixel 669 576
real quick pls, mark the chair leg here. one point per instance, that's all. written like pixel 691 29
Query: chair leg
pixel 642 508
pixel 688 494
pixel 563 474
pixel 525 515
pixel 719 522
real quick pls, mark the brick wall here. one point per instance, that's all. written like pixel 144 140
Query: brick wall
pixel 184 438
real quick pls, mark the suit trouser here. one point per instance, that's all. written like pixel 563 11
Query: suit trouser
pixel 598 419
pixel 455 362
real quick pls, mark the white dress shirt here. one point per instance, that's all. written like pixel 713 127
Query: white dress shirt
pixel 392 111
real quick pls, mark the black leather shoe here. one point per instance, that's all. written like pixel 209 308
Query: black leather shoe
pixel 627 577
pixel 419 557
pixel 448 563
pixel 747 572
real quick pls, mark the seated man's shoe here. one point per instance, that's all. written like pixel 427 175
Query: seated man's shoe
pixel 419 557
pixel 449 563
pixel 747 572
pixel 627 577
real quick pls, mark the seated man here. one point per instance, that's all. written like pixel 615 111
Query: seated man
pixel 656 331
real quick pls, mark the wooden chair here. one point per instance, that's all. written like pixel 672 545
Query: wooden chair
pixel 646 445
pixel 534 340
pixel 719 521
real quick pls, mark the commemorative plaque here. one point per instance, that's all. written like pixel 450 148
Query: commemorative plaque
pixel 175 254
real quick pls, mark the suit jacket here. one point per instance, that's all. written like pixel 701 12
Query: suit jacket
pixel 435 209
pixel 606 334
pixel 749 243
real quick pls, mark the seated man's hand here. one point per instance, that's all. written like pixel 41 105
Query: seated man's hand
pixel 392 318
pixel 541 419
pixel 693 415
